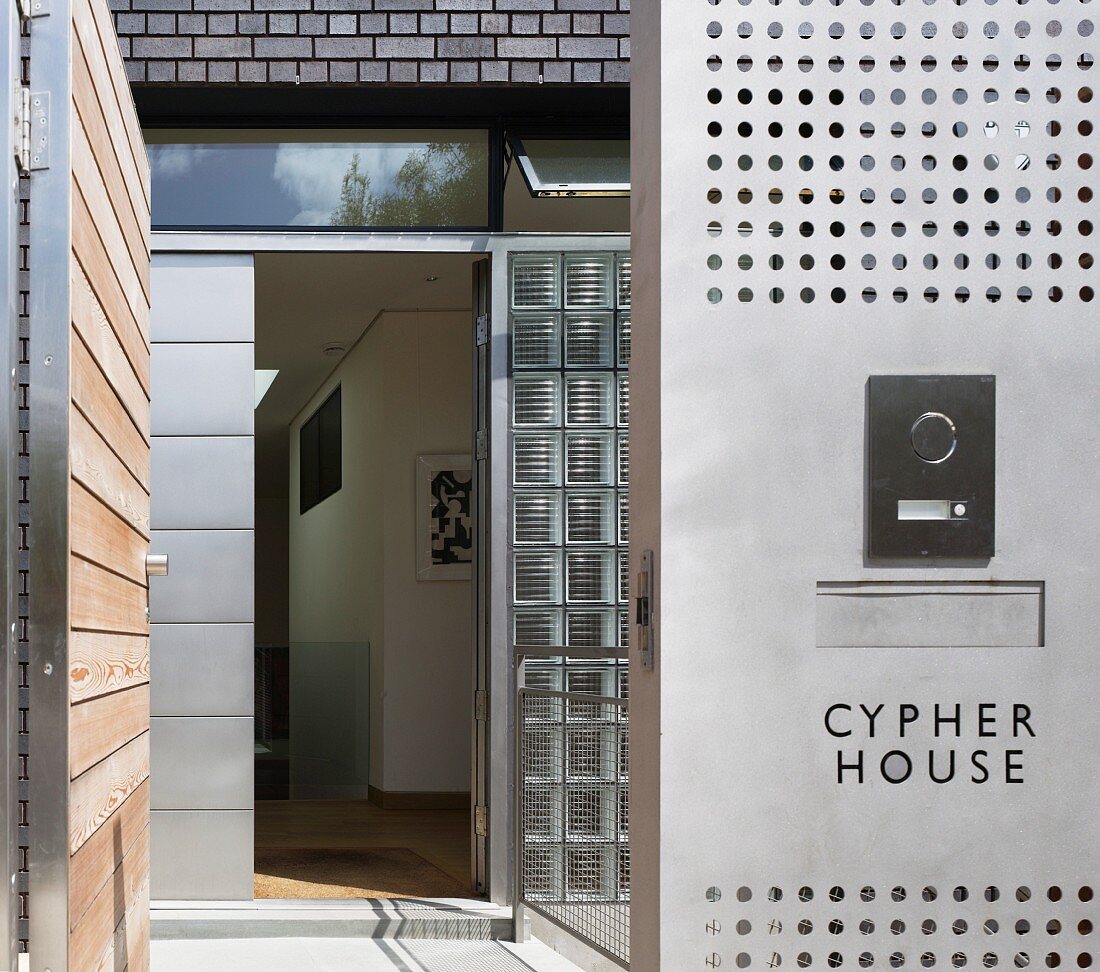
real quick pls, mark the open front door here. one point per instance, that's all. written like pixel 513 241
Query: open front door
pixel 479 788
pixel 87 509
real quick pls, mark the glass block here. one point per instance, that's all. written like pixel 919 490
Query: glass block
pixel 543 873
pixel 624 516
pixel 624 400
pixel 590 872
pixel 537 629
pixel 591 811
pixel 622 281
pixel 537 519
pixel 588 280
pixel 624 629
pixel 590 679
pixel 624 458
pixel 543 813
pixel 590 753
pixel 590 576
pixel 590 517
pixel 588 459
pixel 590 629
pixel 538 674
pixel 624 340
pixel 589 340
pixel 536 459
pixel 624 576
pixel 589 399
pixel 536 281
pixel 537 577
pixel 536 400
pixel 536 340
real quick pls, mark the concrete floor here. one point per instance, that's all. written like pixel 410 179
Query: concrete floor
pixel 353 955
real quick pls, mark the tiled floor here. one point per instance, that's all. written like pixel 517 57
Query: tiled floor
pixel 353 955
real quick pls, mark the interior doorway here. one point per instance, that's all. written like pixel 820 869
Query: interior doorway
pixel 364 619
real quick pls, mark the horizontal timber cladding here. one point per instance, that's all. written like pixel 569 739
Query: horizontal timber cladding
pixel 386 41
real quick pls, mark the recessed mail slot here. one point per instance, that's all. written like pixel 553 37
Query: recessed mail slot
pixel 933 614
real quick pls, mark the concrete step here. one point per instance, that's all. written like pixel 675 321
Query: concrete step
pixel 448 919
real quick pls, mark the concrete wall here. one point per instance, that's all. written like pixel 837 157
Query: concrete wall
pixel 202 612
pixel 405 392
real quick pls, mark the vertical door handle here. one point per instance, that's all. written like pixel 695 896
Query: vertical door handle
pixel 156 565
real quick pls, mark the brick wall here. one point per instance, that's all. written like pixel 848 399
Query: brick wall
pixel 382 41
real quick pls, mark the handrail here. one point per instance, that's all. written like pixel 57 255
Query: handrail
pixel 558 651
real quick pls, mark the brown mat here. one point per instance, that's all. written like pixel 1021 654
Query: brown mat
pixel 377 872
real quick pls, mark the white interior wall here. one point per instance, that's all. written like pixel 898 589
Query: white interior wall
pixel 405 392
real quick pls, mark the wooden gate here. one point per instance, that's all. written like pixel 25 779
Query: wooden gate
pixel 88 400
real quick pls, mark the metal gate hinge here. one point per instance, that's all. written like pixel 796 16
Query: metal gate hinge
pixel 33 130
pixel 481 444
pixel 481 821
pixel 646 611
pixel 481 705
pixel 33 8
pixel 481 330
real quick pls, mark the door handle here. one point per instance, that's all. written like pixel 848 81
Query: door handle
pixel 156 565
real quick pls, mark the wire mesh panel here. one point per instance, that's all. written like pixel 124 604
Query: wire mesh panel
pixel 574 783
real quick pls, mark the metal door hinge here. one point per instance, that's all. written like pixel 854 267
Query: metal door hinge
pixel 481 821
pixel 646 611
pixel 481 705
pixel 481 444
pixel 33 8
pixel 481 330
pixel 32 130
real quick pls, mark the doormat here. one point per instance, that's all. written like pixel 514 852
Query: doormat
pixel 377 872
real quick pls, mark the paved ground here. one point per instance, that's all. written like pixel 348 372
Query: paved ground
pixel 352 955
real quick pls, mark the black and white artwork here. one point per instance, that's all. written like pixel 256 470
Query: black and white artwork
pixel 445 538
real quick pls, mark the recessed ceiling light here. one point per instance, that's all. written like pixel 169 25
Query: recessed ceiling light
pixel 431 279
pixel 264 378
pixel 334 349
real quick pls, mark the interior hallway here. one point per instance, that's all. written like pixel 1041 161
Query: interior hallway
pixel 440 837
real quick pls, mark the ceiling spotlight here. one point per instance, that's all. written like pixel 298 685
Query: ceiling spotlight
pixel 334 349
pixel 432 279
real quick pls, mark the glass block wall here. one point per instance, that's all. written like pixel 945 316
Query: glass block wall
pixel 570 334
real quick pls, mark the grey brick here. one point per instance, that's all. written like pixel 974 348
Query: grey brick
pixel 494 23
pixel 124 46
pixel 162 71
pixel 615 72
pixel 463 4
pixel 283 47
pixel 461 47
pixel 464 23
pixel 343 71
pixel 313 72
pixel 282 71
pixel 616 24
pixel 343 23
pixel 287 5
pixel 223 72
pixel 433 71
pixel 233 47
pixel 310 25
pixel 374 71
pixel 556 23
pixel 557 72
pixel 599 5
pixel 162 47
pixel 282 23
pixel 403 23
pixel 624 48
pixel 162 5
pixel 405 47
pixel 434 23
pixel 525 23
pixel 588 72
pixel 253 71
pixel 372 23
pixel 336 47
pixel 402 4
pixel 525 72
pixel 130 23
pixel 403 72
pixel 528 47
pixel 581 47
pixel 586 23
pixel 118 6
pixel 223 5
pixel 525 5
pixel 250 23
pixel 343 4
pixel 195 24
pixel 162 23
pixel 464 71
pixel 191 71
pixel 135 70
pixel 494 70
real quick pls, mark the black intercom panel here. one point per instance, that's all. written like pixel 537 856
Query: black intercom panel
pixel 931 469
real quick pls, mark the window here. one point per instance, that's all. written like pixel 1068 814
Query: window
pixel 573 166
pixel 320 467
pixel 338 179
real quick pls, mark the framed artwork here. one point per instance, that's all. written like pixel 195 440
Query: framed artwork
pixel 444 517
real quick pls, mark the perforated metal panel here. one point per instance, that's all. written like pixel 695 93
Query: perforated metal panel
pixel 825 190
